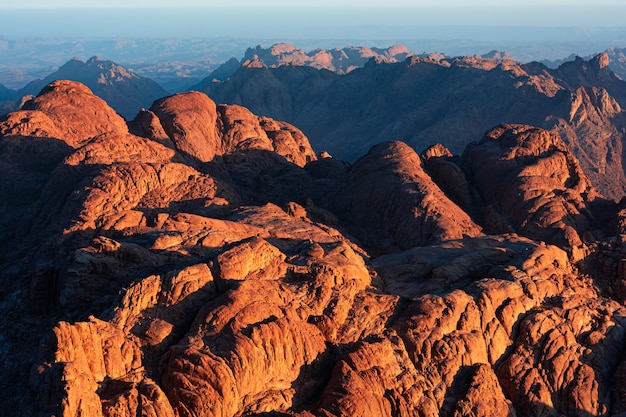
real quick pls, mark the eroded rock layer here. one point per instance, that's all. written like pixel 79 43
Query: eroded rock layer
pixel 209 264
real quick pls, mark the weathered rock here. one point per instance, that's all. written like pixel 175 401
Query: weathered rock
pixel 30 123
pixel 387 386
pixel 253 259
pixel 445 171
pixel 110 148
pixel 201 130
pixel 484 396
pixel 119 188
pixel 190 121
pixel 391 202
pixel 170 282
pixel 564 357
pixel 87 355
pixel 531 178
pixel 129 399
pixel 146 124
pixel 438 331
pixel 76 113
pixel 256 348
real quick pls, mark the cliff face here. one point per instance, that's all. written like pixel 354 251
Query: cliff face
pixel 449 100
pixel 202 260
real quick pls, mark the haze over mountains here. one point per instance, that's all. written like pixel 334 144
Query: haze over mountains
pixel 177 61
pixel 124 90
pixel 337 60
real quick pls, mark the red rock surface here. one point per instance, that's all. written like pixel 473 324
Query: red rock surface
pixel 75 112
pixel 208 264
pixel 531 179
pixel 392 203
pixel 201 131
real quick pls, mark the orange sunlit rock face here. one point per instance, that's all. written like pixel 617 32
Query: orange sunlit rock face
pixel 203 261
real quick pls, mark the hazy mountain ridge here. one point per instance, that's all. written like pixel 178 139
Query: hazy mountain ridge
pixel 452 99
pixel 170 62
pixel 202 260
pixel 6 93
pixel 339 60
pixel 176 63
pixel 617 61
pixel 124 90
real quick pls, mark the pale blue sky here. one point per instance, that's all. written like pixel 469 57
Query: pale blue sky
pixel 338 19
pixel 12 4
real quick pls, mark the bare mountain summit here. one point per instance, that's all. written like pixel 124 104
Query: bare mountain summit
pixel 121 88
pixel 338 60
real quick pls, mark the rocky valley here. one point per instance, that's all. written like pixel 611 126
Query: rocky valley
pixel 204 260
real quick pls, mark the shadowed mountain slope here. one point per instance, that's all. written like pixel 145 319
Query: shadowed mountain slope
pixel 448 100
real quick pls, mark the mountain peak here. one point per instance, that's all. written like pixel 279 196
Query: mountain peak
pixel 69 111
pixel 600 61
pixel 498 55
pixel 281 48
pixel 94 58
pixel 120 87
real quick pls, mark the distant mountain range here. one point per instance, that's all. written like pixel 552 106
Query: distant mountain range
pixel 123 89
pixel 348 99
pixel 617 61
pixel 451 99
pixel 339 60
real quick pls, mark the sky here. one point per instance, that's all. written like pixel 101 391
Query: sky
pixel 345 19
pixel 34 4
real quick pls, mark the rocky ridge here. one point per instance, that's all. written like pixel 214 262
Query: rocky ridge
pixel 338 60
pixel 426 99
pixel 617 61
pixel 202 260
